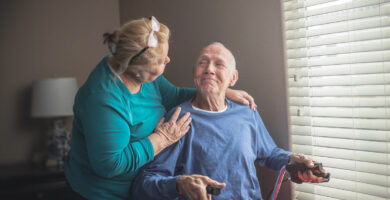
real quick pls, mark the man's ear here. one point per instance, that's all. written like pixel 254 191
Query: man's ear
pixel 234 78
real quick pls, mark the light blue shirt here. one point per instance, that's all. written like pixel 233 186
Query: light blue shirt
pixel 223 146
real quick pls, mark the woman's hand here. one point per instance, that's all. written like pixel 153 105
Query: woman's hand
pixel 242 97
pixel 167 133
pixel 193 187
pixel 308 175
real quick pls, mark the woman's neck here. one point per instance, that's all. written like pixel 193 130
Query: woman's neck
pixel 210 103
pixel 128 80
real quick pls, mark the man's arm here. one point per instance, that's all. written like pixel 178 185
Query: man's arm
pixel 156 179
pixel 268 153
pixel 273 157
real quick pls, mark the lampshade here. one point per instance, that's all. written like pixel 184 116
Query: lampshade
pixel 53 97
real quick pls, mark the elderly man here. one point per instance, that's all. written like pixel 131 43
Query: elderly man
pixel 220 149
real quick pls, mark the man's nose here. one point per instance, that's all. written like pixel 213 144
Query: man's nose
pixel 210 69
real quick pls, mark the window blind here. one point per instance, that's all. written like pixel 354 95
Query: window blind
pixel 338 63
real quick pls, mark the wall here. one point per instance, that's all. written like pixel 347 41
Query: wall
pixel 39 39
pixel 251 29
pixel 45 37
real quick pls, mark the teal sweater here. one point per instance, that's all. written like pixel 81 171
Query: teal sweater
pixel 110 128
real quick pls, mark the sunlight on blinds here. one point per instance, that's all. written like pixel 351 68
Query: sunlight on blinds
pixel 338 64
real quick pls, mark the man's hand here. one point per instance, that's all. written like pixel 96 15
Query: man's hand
pixel 306 176
pixel 193 187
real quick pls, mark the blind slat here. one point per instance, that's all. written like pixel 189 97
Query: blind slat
pixel 346 80
pixel 341 91
pixel 371 113
pixel 364 156
pixel 349 58
pixel 348 144
pixel 340 16
pixel 362 177
pixel 361 191
pixel 331 8
pixel 343 69
pixel 375 101
pixel 353 165
pixel 338 67
pixel 309 196
pixel 344 133
pixel 343 48
pixel 370 124
pixel 337 27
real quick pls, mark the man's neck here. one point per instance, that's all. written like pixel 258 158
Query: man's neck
pixel 210 103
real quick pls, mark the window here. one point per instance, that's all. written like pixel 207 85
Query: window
pixel 338 59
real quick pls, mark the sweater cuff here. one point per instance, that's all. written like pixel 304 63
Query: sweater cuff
pixel 148 146
pixel 171 190
pixel 287 157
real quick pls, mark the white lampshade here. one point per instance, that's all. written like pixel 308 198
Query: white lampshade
pixel 53 97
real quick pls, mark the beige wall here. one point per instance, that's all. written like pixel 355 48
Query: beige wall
pixel 38 39
pixel 45 37
pixel 251 29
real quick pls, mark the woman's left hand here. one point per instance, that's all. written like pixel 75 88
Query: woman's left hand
pixel 242 97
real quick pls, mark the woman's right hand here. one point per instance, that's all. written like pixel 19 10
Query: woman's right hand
pixel 167 133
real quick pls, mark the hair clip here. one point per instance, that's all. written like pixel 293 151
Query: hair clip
pixel 113 48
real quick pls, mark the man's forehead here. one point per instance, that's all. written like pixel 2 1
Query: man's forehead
pixel 214 51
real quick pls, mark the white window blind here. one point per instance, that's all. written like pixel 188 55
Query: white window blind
pixel 338 59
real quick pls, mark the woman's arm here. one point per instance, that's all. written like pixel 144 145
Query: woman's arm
pixel 107 137
pixel 173 96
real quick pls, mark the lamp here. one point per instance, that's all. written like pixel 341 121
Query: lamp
pixel 53 98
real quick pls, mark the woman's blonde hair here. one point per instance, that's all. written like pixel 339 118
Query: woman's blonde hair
pixel 129 40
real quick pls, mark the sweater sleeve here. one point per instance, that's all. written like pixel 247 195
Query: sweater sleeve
pixel 172 95
pixel 107 136
pixel 268 153
pixel 156 180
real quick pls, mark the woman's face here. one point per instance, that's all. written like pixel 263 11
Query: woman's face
pixel 155 70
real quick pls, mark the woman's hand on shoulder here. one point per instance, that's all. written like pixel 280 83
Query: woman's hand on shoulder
pixel 242 97
pixel 171 131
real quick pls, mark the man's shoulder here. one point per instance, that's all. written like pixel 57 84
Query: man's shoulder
pixel 185 107
pixel 238 107
pixel 244 112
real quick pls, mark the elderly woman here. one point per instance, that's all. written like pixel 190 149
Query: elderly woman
pixel 117 127
pixel 224 141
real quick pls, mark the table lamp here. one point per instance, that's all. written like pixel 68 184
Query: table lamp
pixel 53 98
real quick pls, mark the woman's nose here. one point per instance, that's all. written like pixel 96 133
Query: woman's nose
pixel 167 60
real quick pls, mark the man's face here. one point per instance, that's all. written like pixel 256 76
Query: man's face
pixel 213 72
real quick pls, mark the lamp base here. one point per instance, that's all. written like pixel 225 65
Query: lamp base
pixel 57 143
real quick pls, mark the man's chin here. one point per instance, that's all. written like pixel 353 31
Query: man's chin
pixel 208 91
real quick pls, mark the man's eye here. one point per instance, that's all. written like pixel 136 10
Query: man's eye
pixel 220 64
